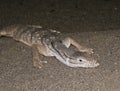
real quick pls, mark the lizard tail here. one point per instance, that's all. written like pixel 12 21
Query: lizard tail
pixel 2 32
pixel 7 31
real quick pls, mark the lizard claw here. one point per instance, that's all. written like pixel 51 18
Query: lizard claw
pixel 38 65
pixel 90 51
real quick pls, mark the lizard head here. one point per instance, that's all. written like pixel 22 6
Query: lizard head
pixel 71 57
pixel 81 59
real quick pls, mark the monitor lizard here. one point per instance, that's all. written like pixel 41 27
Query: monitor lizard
pixel 48 43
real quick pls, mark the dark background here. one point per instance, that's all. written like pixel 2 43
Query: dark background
pixel 63 15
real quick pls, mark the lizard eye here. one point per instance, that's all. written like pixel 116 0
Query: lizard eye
pixel 80 60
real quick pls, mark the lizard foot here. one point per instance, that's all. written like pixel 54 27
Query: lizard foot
pixel 89 50
pixel 38 63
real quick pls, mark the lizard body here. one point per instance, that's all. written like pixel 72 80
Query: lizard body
pixel 47 43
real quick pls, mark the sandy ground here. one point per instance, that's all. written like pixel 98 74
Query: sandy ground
pixel 94 24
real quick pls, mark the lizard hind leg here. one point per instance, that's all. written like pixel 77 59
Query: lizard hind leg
pixel 37 62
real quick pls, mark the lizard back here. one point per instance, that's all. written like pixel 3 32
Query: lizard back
pixel 29 34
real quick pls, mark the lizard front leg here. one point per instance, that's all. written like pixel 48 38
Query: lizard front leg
pixel 68 41
pixel 36 60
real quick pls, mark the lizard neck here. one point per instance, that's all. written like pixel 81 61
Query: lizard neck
pixel 58 53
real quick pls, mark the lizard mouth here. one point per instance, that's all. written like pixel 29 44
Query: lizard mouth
pixel 86 65
pixel 93 64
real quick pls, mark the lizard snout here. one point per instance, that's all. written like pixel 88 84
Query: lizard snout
pixel 94 63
